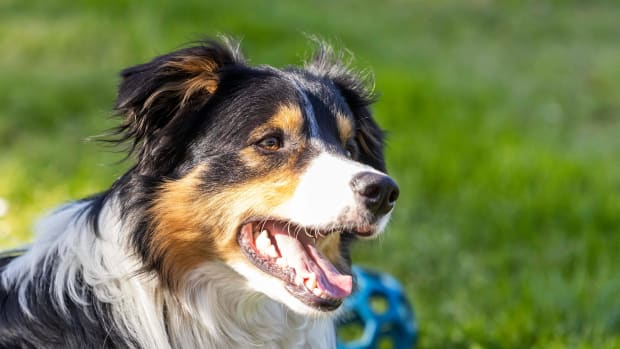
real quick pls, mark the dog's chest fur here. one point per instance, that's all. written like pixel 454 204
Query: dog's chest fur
pixel 217 310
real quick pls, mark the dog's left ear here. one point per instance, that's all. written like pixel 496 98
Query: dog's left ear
pixel 156 95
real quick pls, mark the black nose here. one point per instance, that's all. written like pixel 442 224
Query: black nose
pixel 378 192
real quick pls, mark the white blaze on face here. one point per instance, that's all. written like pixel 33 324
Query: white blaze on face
pixel 324 195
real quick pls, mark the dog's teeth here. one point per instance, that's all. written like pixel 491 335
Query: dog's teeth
pixel 299 280
pixel 263 241
pixel 317 292
pixel 271 251
pixel 264 234
pixel 281 262
pixel 311 281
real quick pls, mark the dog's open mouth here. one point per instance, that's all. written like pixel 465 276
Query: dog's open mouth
pixel 290 253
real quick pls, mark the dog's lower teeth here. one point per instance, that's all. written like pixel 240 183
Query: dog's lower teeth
pixel 271 251
pixel 299 280
pixel 303 281
pixel 311 282
pixel 281 262
pixel 262 240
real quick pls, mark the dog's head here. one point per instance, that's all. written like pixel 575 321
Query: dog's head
pixel 272 172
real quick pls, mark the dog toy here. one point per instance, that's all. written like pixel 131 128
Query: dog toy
pixel 377 315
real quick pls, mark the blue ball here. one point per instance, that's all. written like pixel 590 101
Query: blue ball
pixel 377 315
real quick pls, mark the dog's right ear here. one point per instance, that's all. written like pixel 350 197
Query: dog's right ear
pixel 159 93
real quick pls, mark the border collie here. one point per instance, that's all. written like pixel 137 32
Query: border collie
pixel 231 229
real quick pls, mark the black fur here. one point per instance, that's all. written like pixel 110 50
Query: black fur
pixel 169 137
pixel 82 326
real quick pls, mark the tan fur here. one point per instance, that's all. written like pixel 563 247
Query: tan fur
pixel 178 242
pixel 201 77
pixel 287 118
pixel 345 128
pixel 192 228
pixel 202 71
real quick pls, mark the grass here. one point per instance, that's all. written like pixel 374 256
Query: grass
pixel 503 120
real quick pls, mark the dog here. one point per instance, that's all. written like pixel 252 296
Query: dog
pixel 233 225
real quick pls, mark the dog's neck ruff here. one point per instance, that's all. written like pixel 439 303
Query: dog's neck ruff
pixel 217 308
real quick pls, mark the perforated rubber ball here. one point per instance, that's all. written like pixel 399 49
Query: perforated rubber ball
pixel 377 315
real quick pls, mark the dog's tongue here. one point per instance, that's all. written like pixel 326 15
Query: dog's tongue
pixel 301 254
pixel 331 281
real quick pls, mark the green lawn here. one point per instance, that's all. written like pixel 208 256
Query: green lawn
pixel 504 121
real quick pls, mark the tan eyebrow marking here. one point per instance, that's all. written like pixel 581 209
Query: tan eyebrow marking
pixel 345 127
pixel 289 118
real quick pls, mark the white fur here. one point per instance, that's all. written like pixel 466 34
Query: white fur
pixel 322 198
pixel 219 308
pixel 228 313
pixel 324 195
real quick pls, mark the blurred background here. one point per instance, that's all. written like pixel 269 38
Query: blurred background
pixel 504 133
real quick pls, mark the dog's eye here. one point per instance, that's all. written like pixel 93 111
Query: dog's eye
pixel 351 150
pixel 270 143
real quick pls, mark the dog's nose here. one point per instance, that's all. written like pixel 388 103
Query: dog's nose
pixel 378 192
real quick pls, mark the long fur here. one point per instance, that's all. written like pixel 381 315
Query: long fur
pixel 152 262
pixel 89 286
